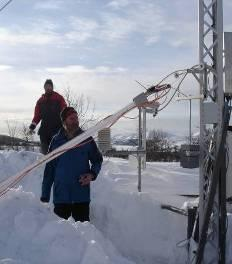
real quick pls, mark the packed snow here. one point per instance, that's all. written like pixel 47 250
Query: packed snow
pixel 126 226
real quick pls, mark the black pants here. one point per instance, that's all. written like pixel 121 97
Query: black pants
pixel 44 144
pixel 79 211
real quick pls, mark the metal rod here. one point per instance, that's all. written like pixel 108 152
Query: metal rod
pixel 190 121
pixel 223 212
pixel 139 148
pixel 144 137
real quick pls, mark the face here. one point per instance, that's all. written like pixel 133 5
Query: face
pixel 71 122
pixel 48 88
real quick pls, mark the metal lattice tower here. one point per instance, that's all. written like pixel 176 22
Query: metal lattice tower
pixel 211 106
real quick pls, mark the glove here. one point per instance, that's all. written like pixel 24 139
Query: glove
pixel 32 126
pixel 31 129
pixel 44 200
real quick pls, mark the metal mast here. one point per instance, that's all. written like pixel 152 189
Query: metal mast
pixel 211 108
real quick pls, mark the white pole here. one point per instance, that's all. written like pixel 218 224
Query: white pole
pixel 144 138
pixel 139 149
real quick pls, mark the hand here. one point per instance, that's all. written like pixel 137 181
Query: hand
pixel 31 132
pixel 44 200
pixel 32 126
pixel 85 179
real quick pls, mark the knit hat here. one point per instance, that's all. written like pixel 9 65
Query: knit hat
pixel 67 111
pixel 49 82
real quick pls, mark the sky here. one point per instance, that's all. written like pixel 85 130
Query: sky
pixel 98 48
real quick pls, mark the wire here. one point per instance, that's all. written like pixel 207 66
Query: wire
pixel 5 5
pixel 173 73
pixel 141 85
pixel 177 89
pixel 177 73
pixel 164 101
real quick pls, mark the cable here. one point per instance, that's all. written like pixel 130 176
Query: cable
pixel 141 85
pixel 5 5
pixel 177 73
pixel 173 93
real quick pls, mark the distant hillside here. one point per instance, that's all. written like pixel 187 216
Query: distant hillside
pixel 128 140
pixel 7 140
pixel 132 139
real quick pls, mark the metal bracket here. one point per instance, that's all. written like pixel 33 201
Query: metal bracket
pixel 140 99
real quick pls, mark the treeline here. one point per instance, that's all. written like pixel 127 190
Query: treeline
pixel 167 156
pixel 161 148
pixel 8 142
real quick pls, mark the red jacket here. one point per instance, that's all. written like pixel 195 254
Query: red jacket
pixel 47 110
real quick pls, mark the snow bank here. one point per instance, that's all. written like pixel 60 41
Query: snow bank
pixel 126 226
pixel 135 221
pixel 31 233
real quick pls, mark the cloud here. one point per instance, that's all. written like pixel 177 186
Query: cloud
pixel 82 29
pixel 143 20
pixel 114 27
pixel 32 37
pixel 185 37
pixel 149 21
pixel 154 23
pixel 50 5
pixel 83 69
pixel 146 21
pixel 117 4
pixel 5 67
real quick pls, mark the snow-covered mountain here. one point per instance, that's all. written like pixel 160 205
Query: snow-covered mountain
pixel 126 139
pixel 131 139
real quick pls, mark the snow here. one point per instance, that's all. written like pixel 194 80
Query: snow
pixel 126 226
pixel 124 147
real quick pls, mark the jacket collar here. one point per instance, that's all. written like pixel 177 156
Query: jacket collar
pixel 62 133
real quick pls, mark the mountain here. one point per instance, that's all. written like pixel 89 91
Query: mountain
pixel 132 139
pixel 126 139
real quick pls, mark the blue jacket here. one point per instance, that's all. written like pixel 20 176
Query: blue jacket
pixel 64 171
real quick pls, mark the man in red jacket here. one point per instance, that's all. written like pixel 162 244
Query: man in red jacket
pixel 47 110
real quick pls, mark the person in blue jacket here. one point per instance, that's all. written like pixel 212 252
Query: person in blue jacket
pixel 71 173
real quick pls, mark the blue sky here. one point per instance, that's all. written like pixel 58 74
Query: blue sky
pixel 98 48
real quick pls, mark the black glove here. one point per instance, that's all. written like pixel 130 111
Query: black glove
pixel 44 200
pixel 32 126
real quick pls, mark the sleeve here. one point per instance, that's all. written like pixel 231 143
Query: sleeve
pixel 48 177
pixel 95 158
pixel 37 117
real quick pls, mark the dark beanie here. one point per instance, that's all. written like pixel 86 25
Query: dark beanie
pixel 67 111
pixel 48 81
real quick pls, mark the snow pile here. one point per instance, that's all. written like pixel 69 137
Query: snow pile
pixel 126 226
pixel 31 233
pixel 134 221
